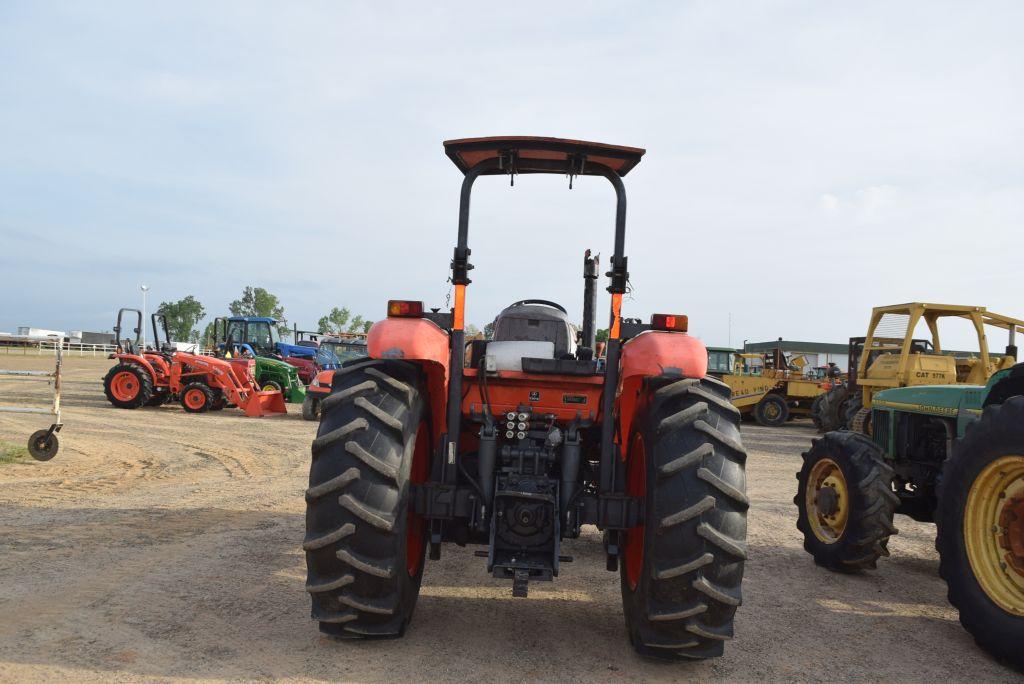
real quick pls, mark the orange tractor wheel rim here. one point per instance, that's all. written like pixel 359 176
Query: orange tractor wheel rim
pixel 195 399
pixel 636 485
pixel 124 386
pixel 415 528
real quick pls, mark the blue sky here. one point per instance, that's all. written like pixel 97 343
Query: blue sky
pixel 806 160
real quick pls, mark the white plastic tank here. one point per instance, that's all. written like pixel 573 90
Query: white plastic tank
pixel 508 356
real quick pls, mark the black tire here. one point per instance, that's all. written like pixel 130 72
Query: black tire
pixel 43 446
pixel 270 386
pixel 998 433
pixel 827 411
pixel 142 377
pixel 840 412
pixel 816 412
pixel 219 400
pixel 854 405
pixel 196 389
pixel 310 407
pixel 771 411
pixel 158 399
pixel 871 503
pixel 363 570
pixel 689 570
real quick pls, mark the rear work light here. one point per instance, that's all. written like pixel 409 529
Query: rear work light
pixel 669 322
pixel 401 308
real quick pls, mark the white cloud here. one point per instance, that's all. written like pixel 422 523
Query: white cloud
pixel 828 202
pixel 874 199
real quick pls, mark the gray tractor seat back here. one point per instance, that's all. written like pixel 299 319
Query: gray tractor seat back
pixel 536 320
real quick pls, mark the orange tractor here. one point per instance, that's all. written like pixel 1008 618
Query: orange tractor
pixel 151 377
pixel 515 443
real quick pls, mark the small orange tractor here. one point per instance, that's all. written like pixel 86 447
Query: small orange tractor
pixel 151 377
pixel 515 443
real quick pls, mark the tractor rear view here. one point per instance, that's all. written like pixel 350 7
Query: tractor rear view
pixel 515 443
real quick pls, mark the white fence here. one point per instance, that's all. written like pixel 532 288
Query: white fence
pixel 49 348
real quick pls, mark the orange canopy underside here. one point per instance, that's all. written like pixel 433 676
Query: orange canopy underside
pixel 468 152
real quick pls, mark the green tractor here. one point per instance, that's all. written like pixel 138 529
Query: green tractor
pixel 271 374
pixel 948 454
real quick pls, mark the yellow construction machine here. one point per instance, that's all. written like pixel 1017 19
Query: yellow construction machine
pixel 773 388
pixel 890 356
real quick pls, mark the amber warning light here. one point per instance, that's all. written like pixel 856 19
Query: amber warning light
pixel 401 308
pixel 669 322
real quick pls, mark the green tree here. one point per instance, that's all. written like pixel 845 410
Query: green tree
pixel 257 301
pixel 209 333
pixel 601 335
pixel 367 325
pixel 357 324
pixel 489 330
pixel 182 318
pixel 334 321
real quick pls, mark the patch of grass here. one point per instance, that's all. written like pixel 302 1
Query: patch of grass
pixel 11 452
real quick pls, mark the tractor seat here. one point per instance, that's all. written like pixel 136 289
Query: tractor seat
pixel 532 336
pixel 537 320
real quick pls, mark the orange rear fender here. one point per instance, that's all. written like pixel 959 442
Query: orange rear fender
pixel 140 360
pixel 322 386
pixel 416 340
pixel 650 354
pixel 409 339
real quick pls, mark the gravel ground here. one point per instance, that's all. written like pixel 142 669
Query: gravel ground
pixel 159 544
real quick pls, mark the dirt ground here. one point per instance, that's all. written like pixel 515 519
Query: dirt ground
pixel 159 544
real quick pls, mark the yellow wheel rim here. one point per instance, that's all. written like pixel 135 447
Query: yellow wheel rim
pixel 827 500
pixel 269 388
pixel 994 532
pixel 772 411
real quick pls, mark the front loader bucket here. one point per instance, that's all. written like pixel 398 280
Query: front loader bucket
pixel 297 394
pixel 264 404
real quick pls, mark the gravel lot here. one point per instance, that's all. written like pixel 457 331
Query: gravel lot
pixel 159 544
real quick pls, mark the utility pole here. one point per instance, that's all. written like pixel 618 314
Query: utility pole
pixel 145 289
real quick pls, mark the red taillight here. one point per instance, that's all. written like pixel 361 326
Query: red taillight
pixel 401 308
pixel 669 322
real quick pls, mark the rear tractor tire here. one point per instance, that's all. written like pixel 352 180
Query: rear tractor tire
pixel 858 418
pixel 128 386
pixel 364 547
pixel 681 570
pixel 816 412
pixel 771 411
pixel 980 538
pixel 828 409
pixel 197 397
pixel 845 501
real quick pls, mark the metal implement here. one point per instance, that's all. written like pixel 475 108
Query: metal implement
pixel 43 444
